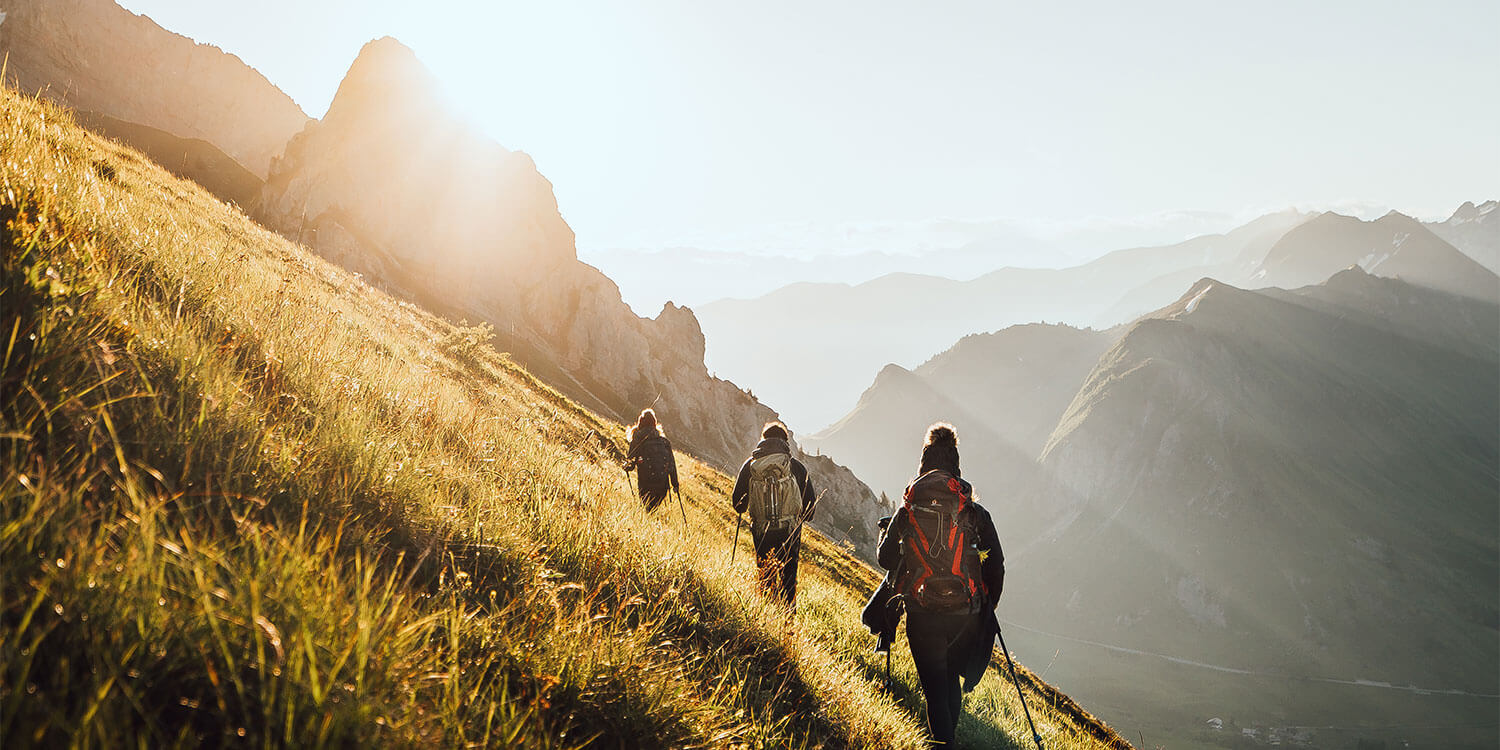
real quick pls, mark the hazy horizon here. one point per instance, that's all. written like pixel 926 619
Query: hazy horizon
pixel 679 125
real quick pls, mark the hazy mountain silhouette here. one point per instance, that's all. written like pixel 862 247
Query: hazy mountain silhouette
pixel 1006 391
pixel 906 318
pixel 1299 484
pixel 1475 230
pixel 1394 245
pixel 95 56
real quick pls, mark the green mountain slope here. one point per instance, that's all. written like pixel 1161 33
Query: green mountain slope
pixel 1300 486
pixel 249 499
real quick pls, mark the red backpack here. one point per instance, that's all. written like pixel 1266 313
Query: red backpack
pixel 940 560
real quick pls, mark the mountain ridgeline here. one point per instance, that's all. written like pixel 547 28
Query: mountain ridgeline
pixel 253 500
pixel 1257 505
pixel 393 185
pixel 1272 505
pixel 96 57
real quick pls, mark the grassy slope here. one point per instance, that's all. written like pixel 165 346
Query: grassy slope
pixel 246 496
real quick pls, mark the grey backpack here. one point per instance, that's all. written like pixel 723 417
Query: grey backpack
pixel 775 497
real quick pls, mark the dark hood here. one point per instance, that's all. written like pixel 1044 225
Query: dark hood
pixel 771 445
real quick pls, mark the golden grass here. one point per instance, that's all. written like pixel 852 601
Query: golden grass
pixel 249 499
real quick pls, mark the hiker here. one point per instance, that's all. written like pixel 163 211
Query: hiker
pixel 651 454
pixel 942 547
pixel 774 487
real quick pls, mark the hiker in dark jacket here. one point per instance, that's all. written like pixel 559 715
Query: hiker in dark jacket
pixel 953 634
pixel 774 487
pixel 651 455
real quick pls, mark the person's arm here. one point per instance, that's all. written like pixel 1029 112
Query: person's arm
pixel 889 555
pixel 740 497
pixel 809 498
pixel 993 568
pixel 672 458
pixel 632 456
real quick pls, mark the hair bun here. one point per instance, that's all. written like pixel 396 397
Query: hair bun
pixel 942 433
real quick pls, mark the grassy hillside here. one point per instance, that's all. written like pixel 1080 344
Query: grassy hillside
pixel 248 499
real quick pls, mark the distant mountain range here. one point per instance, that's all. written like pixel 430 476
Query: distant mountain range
pixel 906 318
pixel 1006 390
pixel 1394 245
pixel 1301 485
pixel 1282 488
pixel 1474 230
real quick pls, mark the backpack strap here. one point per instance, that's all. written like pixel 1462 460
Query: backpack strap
pixel 921 556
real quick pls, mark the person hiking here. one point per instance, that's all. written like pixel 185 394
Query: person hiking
pixel 651 455
pixel 949 570
pixel 774 487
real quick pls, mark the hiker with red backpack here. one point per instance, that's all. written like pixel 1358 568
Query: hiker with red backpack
pixel 944 553
pixel 774 487
pixel 650 455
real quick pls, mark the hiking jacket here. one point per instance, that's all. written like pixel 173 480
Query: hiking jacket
pixel 992 570
pixel 741 495
pixel 645 445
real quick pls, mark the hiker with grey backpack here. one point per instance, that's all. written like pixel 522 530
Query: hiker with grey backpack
pixel 776 491
pixel 650 456
pixel 948 570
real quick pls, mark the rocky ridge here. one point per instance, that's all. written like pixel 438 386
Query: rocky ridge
pixel 393 184
pixel 94 56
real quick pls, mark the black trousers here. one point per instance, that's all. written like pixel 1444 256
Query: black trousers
pixel 776 554
pixel 652 494
pixel 941 645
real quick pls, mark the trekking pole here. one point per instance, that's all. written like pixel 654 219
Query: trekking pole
pixel 682 508
pixel 735 547
pixel 1034 736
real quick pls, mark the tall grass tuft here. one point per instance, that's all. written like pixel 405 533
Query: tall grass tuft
pixel 246 499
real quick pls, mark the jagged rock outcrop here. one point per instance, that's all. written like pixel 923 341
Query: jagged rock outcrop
pixel 94 56
pixel 392 184
pixel 849 511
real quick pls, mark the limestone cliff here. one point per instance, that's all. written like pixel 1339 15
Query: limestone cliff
pixel 94 56
pixel 391 183
pixel 849 511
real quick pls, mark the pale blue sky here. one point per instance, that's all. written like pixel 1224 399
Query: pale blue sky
pixel 669 122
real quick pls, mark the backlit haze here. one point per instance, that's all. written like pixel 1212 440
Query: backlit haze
pixel 1046 133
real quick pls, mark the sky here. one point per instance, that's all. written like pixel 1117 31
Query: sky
pixel 795 126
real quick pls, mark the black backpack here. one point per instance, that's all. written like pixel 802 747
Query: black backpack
pixel 654 458
pixel 940 557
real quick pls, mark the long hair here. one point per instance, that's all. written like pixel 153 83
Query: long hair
pixel 940 449
pixel 647 422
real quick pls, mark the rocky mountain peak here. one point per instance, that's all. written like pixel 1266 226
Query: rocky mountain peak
pixel 678 326
pixel 385 81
